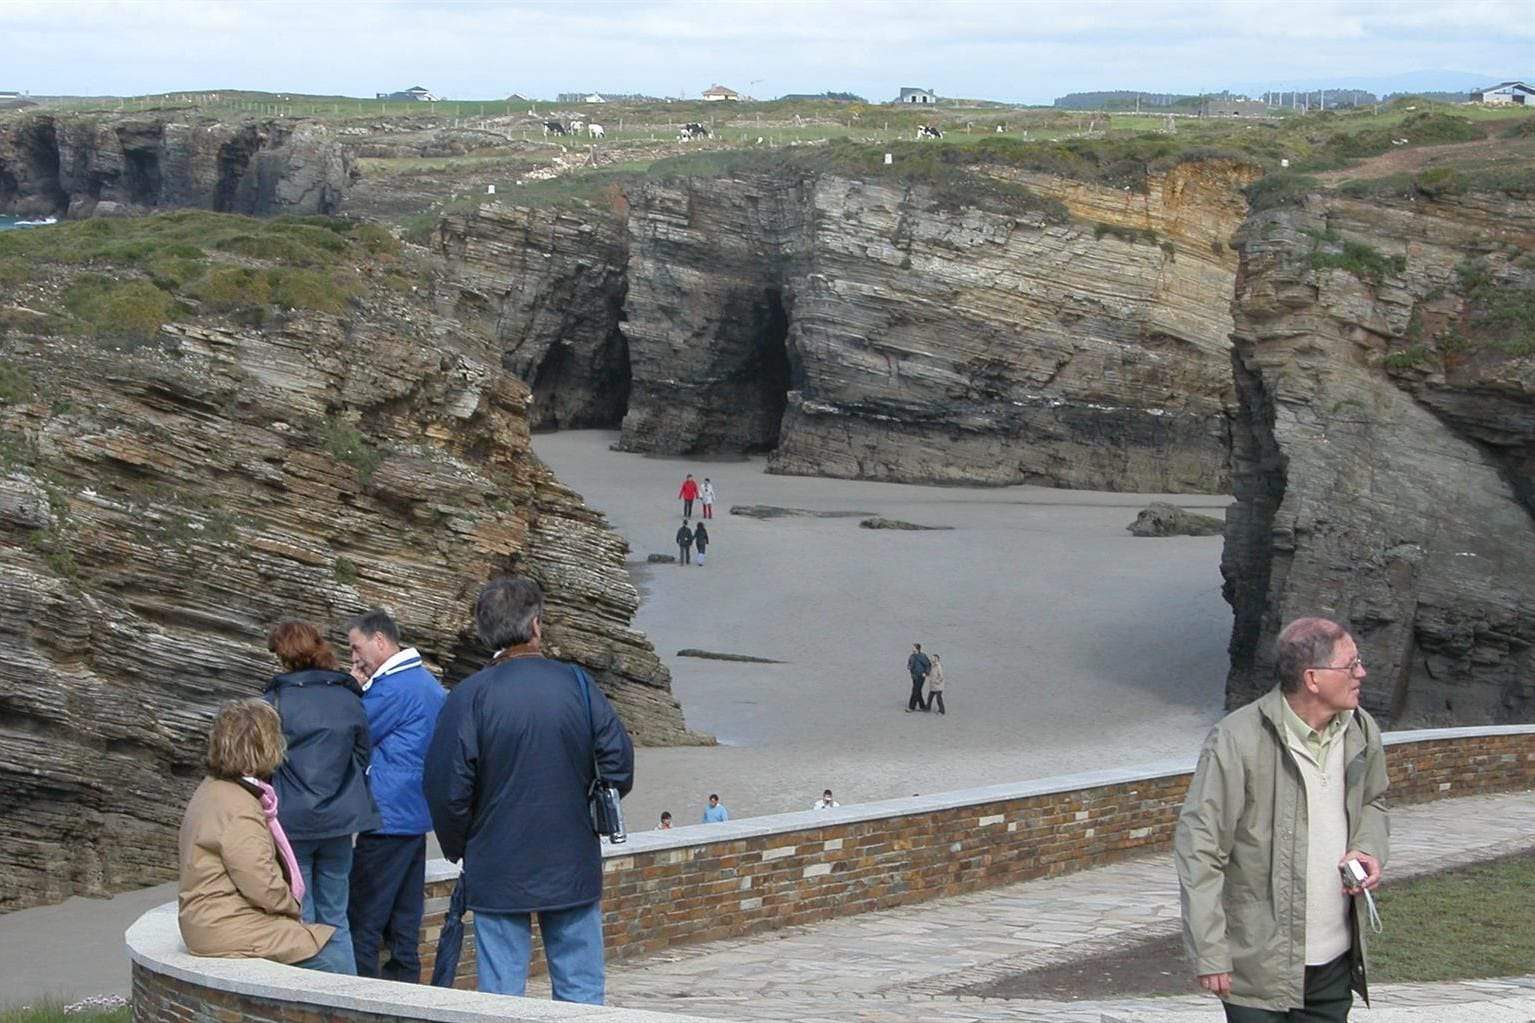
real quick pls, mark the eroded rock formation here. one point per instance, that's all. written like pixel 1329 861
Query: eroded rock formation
pixel 877 330
pixel 166 501
pixel 1384 458
pixel 97 165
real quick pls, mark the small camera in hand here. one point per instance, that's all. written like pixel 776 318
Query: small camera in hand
pixel 1353 873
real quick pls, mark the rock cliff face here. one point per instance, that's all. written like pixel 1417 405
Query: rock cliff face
pixel 83 165
pixel 165 501
pixel 549 287
pixel 1384 456
pixel 876 330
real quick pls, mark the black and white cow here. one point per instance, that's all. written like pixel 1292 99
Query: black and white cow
pixel 692 130
pixel 927 131
pixel 554 128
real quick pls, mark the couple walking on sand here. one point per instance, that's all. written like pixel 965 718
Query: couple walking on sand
pixel 692 491
pixel 929 670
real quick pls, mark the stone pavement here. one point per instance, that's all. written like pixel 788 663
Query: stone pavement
pixel 905 964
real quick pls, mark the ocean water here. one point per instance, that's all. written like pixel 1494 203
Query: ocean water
pixel 8 223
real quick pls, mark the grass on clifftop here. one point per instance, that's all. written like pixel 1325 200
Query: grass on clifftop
pixel 54 1011
pixel 125 278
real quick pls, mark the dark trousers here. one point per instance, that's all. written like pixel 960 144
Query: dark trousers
pixel 388 889
pixel 687 507
pixel 916 703
pixel 936 697
pixel 1328 998
pixel 684 554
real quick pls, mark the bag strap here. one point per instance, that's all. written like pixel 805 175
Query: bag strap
pixel 591 724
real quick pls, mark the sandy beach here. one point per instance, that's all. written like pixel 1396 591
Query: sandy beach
pixel 1066 642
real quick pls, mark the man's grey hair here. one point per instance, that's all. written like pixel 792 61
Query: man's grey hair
pixel 375 623
pixel 505 609
pixel 1304 643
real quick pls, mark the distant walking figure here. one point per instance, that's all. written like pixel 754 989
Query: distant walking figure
pixel 706 492
pixel 935 685
pixel 684 544
pixel 918 665
pixel 701 539
pixel 689 494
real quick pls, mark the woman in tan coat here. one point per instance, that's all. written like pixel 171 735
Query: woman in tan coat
pixel 237 899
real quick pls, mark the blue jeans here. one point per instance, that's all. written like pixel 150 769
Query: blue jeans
pixel 572 945
pixel 326 864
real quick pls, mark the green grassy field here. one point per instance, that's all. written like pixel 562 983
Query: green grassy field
pixel 57 1012
pixel 1472 922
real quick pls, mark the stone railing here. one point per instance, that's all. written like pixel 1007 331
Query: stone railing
pixel 704 882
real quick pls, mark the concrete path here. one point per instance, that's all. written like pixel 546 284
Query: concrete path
pixel 904 965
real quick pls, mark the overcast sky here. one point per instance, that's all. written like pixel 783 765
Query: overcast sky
pixel 1018 51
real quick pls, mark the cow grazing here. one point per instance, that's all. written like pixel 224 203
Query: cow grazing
pixel 596 131
pixel 692 130
pixel 576 127
pixel 554 128
pixel 927 131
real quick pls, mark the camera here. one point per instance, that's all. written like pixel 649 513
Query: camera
pixel 1353 873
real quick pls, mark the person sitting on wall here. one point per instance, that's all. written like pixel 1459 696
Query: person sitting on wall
pixel 715 812
pixel 241 894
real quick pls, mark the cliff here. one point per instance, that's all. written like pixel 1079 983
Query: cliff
pixel 1384 453
pixel 174 487
pixel 1015 328
pixel 100 165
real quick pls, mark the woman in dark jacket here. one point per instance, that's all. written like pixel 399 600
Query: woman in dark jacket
pixel 322 785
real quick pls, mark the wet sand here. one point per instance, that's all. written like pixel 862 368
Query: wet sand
pixel 1066 642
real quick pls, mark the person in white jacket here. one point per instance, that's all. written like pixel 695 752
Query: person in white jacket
pixel 706 495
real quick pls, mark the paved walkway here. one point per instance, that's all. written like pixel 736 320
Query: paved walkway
pixel 905 965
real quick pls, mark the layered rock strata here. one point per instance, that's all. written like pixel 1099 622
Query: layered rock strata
pixel 877 330
pixel 549 287
pixel 97 165
pixel 166 502
pixel 1385 364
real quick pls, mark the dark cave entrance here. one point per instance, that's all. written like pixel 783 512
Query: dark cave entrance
pixel 583 390
pixel 40 150
pixel 141 176
pixel 769 374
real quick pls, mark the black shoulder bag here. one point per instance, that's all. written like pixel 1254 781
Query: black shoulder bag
pixel 602 799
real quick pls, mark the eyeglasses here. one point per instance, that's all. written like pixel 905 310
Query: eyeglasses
pixel 1350 667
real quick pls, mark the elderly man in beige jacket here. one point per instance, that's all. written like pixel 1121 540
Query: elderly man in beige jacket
pixel 1288 790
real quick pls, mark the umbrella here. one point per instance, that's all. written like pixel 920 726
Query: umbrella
pixel 451 942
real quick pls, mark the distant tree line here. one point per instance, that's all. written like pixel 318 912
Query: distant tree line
pixel 838 97
pixel 1172 102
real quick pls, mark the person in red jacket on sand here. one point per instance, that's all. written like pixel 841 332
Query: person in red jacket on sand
pixel 689 494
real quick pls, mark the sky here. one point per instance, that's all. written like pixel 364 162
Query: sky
pixel 1019 51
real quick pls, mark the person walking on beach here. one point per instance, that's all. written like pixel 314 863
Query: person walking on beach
pixel 685 544
pixel 715 812
pixel 701 539
pixel 826 802
pixel 388 887
pixel 322 785
pixel 665 822
pixel 918 665
pixel 706 495
pixel 1289 792
pixel 935 686
pixel 517 749
pixel 689 494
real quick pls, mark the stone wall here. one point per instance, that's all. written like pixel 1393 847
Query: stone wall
pixel 706 882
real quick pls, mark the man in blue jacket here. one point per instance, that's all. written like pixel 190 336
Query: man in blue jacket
pixel 507 779
pixel 402 700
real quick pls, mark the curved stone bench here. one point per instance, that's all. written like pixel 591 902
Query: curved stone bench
pixel 711 881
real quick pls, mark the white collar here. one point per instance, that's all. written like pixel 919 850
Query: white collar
pixel 395 663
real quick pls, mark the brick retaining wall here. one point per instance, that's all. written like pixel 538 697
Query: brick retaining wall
pixel 705 882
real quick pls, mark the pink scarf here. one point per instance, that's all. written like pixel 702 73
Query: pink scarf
pixel 280 837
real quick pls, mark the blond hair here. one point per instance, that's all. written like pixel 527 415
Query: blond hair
pixel 246 739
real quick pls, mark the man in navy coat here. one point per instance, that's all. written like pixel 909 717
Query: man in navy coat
pixel 507 776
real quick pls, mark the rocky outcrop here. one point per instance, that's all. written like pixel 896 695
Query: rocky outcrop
pixel 1162 519
pixel 92 165
pixel 549 287
pixel 164 502
pixel 1073 335
pixel 1385 364
pixel 927 342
